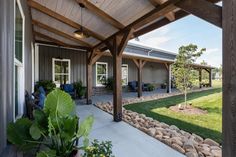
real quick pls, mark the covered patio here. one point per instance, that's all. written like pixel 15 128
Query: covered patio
pixel 97 27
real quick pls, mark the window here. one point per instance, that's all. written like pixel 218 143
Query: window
pixel 124 74
pixel 18 34
pixel 101 73
pixel 61 71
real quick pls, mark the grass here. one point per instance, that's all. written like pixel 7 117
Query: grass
pixel 207 126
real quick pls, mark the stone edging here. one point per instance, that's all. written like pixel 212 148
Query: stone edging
pixel 186 143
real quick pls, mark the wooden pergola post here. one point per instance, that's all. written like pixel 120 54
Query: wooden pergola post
pixel 89 71
pixel 92 57
pixel 200 78
pixel 116 46
pixel 210 77
pixel 229 78
pixel 169 79
pixel 140 64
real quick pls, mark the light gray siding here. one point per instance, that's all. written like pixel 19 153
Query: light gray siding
pixel 7 63
pixel 155 73
pixel 77 59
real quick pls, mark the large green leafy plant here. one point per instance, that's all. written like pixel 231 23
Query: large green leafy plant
pixel 54 130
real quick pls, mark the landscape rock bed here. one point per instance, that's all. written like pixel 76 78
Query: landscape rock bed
pixel 156 96
pixel 186 143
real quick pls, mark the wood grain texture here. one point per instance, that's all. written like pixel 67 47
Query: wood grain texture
pixel 61 18
pixel 89 79
pixel 90 6
pixel 58 32
pixel 203 9
pixel 229 78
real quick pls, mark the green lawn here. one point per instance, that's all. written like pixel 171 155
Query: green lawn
pixel 207 126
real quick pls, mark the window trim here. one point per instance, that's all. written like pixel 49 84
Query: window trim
pixel 53 68
pixel 103 63
pixel 127 74
pixel 20 64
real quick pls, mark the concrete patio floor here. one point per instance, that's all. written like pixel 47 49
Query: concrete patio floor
pixel 127 141
pixel 109 97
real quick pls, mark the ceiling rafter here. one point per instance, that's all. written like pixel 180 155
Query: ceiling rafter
pixel 170 16
pixel 56 41
pixel 147 18
pixel 106 17
pixel 60 33
pixel 178 15
pixel 61 18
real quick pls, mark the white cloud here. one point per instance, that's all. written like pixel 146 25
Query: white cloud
pixel 211 50
pixel 156 41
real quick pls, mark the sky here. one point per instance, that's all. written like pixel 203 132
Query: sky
pixel 187 30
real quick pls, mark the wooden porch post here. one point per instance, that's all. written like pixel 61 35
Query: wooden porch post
pixel 168 68
pixel 116 46
pixel 210 77
pixel 229 78
pixel 89 79
pixel 200 78
pixel 140 82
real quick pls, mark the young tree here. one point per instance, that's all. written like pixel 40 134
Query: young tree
pixel 182 68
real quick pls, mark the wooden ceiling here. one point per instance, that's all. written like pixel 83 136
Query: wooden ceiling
pixel 56 20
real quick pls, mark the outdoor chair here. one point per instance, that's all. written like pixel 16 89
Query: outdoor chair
pixel 31 105
pixel 69 88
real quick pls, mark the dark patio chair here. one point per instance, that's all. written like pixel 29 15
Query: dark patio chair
pixel 69 88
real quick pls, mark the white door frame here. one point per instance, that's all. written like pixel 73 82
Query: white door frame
pixel 20 65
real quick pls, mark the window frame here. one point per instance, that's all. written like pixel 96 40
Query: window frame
pixel 127 66
pixel 53 69
pixel 106 75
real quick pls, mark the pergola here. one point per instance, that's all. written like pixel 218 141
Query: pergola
pixel 112 23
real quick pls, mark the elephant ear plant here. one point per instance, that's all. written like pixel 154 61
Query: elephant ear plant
pixel 54 132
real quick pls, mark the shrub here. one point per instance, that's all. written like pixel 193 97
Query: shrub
pixel 99 149
pixel 151 87
pixel 48 85
pixel 80 90
pixel 109 83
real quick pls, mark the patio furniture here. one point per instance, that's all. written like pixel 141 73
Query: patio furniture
pixel 31 104
pixel 133 86
pixel 69 88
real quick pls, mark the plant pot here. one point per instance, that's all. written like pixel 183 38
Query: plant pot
pixel 75 153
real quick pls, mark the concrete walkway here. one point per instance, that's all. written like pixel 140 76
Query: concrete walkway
pixel 127 141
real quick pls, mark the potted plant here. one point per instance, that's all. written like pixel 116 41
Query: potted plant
pixel 163 85
pixel 109 83
pixel 80 90
pixel 54 132
pixel 150 87
pixel 48 85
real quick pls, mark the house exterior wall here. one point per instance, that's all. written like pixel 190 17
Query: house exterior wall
pixel 77 61
pixel 7 43
pixel 155 73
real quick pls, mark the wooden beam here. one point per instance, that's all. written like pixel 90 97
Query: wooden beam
pixel 106 17
pixel 200 78
pixel 135 62
pixel 89 80
pixel 229 78
pixel 178 15
pixel 60 33
pixel 167 66
pixel 147 18
pixel 96 57
pixel 140 78
pixel 203 9
pixel 61 18
pixel 169 79
pixel 127 35
pixel 170 16
pixel 117 93
pixel 58 42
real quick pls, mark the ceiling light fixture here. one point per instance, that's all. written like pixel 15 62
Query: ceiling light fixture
pixel 81 33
